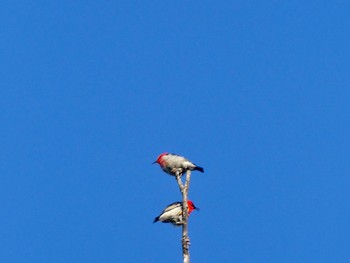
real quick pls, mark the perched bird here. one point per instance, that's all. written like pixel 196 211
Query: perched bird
pixel 173 213
pixel 172 163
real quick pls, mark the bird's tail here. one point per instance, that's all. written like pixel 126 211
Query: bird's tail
pixel 198 168
pixel 156 219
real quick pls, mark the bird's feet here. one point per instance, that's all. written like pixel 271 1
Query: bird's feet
pixel 186 241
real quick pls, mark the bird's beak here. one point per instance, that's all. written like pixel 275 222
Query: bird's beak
pixel 196 208
pixel 154 162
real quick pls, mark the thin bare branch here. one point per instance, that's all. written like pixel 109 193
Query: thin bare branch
pixel 185 237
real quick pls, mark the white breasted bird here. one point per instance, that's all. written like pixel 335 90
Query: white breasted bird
pixel 172 163
pixel 173 213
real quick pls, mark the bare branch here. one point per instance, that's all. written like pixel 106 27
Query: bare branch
pixel 185 237
pixel 179 182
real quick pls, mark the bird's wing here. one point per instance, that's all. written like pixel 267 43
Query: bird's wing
pixel 172 206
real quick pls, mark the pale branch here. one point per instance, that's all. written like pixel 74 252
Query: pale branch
pixel 179 182
pixel 185 237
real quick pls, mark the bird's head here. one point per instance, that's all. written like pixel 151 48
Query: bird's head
pixel 160 157
pixel 191 206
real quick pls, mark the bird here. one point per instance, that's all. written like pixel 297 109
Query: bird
pixel 173 213
pixel 174 164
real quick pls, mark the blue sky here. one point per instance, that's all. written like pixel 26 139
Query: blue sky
pixel 255 92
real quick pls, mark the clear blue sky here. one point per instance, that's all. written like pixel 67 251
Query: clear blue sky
pixel 255 92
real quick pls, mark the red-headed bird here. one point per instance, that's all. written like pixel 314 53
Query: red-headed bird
pixel 172 163
pixel 173 213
